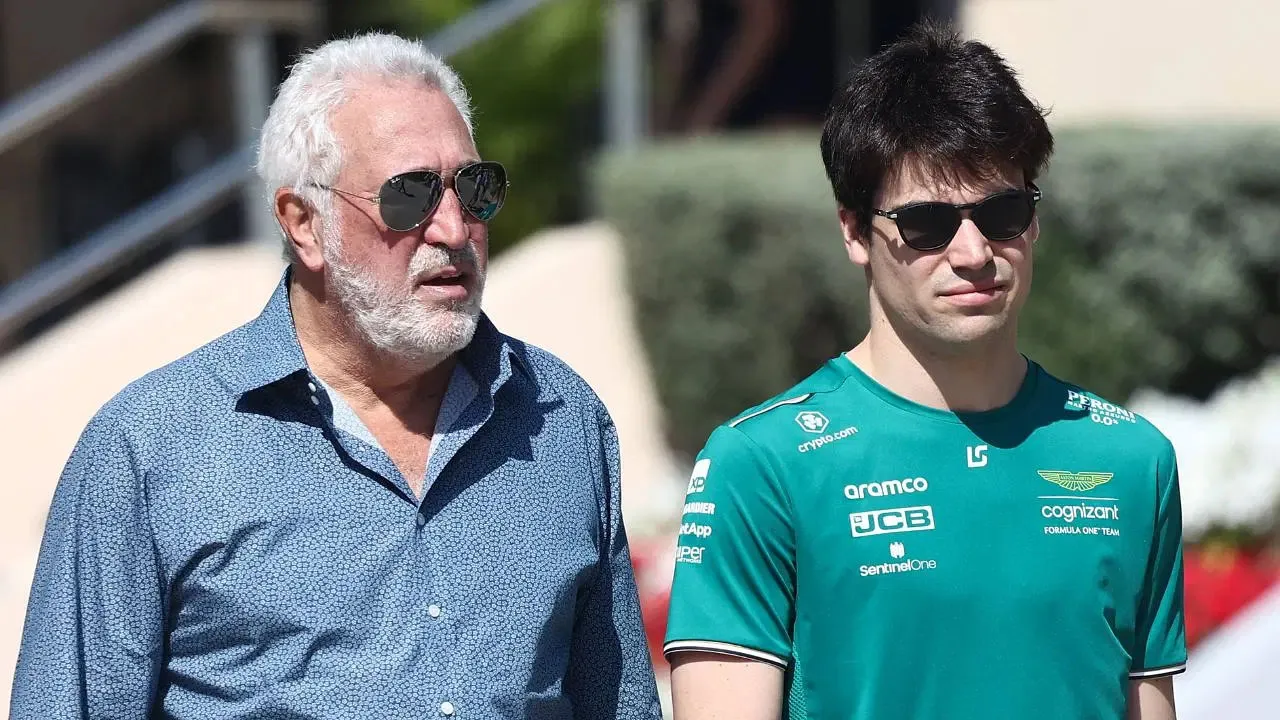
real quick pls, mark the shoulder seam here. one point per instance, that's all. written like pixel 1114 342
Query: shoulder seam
pixel 761 411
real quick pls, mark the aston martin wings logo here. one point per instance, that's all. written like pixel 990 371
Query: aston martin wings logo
pixel 1077 482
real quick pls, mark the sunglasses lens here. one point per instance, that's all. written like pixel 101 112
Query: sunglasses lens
pixel 928 226
pixel 482 188
pixel 407 199
pixel 1004 216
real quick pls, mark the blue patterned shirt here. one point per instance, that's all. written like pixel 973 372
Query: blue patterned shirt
pixel 219 547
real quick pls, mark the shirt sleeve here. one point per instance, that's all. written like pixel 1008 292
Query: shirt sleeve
pixel 734 585
pixel 610 674
pixel 92 642
pixel 1160 647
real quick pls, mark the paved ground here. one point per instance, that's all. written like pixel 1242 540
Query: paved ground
pixel 561 290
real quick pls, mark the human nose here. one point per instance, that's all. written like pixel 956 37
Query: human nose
pixel 969 249
pixel 448 225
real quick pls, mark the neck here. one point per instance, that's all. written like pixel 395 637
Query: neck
pixel 337 354
pixel 982 375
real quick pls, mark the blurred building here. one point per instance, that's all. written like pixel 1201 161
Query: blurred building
pixel 1147 61
pixel 740 64
pixel 165 119
pixel 714 65
pixel 764 63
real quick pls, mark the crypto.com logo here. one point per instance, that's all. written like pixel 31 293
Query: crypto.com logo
pixel 812 422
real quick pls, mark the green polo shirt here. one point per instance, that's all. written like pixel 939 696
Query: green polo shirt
pixel 899 561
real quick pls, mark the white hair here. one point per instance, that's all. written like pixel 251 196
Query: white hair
pixel 298 148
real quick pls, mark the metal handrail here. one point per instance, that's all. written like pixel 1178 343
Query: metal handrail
pixel 479 24
pixel 53 99
pixel 56 280
pixel 173 211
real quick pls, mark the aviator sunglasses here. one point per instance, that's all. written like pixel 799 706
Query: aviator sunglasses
pixel 405 201
pixel 932 225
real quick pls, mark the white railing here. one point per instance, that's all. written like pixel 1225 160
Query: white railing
pixel 249 23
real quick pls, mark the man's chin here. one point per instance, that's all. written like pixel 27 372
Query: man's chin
pixel 974 328
pixel 449 331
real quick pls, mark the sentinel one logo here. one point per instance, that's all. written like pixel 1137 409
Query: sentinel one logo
pixel 887 487
pixel 893 520
pixel 698 480
pixel 812 422
pixel 897 551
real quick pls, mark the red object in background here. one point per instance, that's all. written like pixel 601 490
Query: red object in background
pixel 654 564
pixel 1220 582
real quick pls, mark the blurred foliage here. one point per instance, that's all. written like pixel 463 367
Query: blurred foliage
pixel 1158 264
pixel 533 88
pixel 1162 260
pixel 737 270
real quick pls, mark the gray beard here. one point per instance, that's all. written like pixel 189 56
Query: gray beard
pixel 391 319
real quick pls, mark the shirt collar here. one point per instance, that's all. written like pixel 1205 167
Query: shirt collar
pixel 266 350
pixel 492 358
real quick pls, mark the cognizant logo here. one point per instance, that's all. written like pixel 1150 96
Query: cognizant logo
pixel 887 487
pixel 827 439
pixel 1082 511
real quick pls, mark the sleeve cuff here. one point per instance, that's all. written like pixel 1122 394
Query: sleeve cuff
pixel 1158 671
pixel 724 648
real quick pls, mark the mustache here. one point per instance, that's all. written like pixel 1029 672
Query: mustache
pixel 429 258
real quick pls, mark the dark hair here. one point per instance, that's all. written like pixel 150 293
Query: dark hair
pixel 953 106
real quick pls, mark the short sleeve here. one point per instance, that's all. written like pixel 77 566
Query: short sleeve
pixel 734 585
pixel 1160 647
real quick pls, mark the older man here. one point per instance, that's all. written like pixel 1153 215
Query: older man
pixel 368 502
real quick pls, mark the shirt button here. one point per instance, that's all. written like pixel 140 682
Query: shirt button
pixel 311 386
pixel 446 708
pixel 422 520
pixel 315 400
pixel 434 611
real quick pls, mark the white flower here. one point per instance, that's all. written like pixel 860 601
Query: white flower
pixel 1228 451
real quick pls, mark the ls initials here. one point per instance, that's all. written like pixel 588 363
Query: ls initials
pixel 977 456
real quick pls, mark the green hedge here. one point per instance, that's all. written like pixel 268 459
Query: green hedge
pixel 1158 264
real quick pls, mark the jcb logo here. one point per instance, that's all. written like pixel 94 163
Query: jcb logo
pixel 896 520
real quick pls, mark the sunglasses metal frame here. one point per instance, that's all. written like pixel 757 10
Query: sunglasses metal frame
pixel 963 210
pixel 447 182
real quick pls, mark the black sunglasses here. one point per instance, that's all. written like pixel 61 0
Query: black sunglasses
pixel 932 225
pixel 408 199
